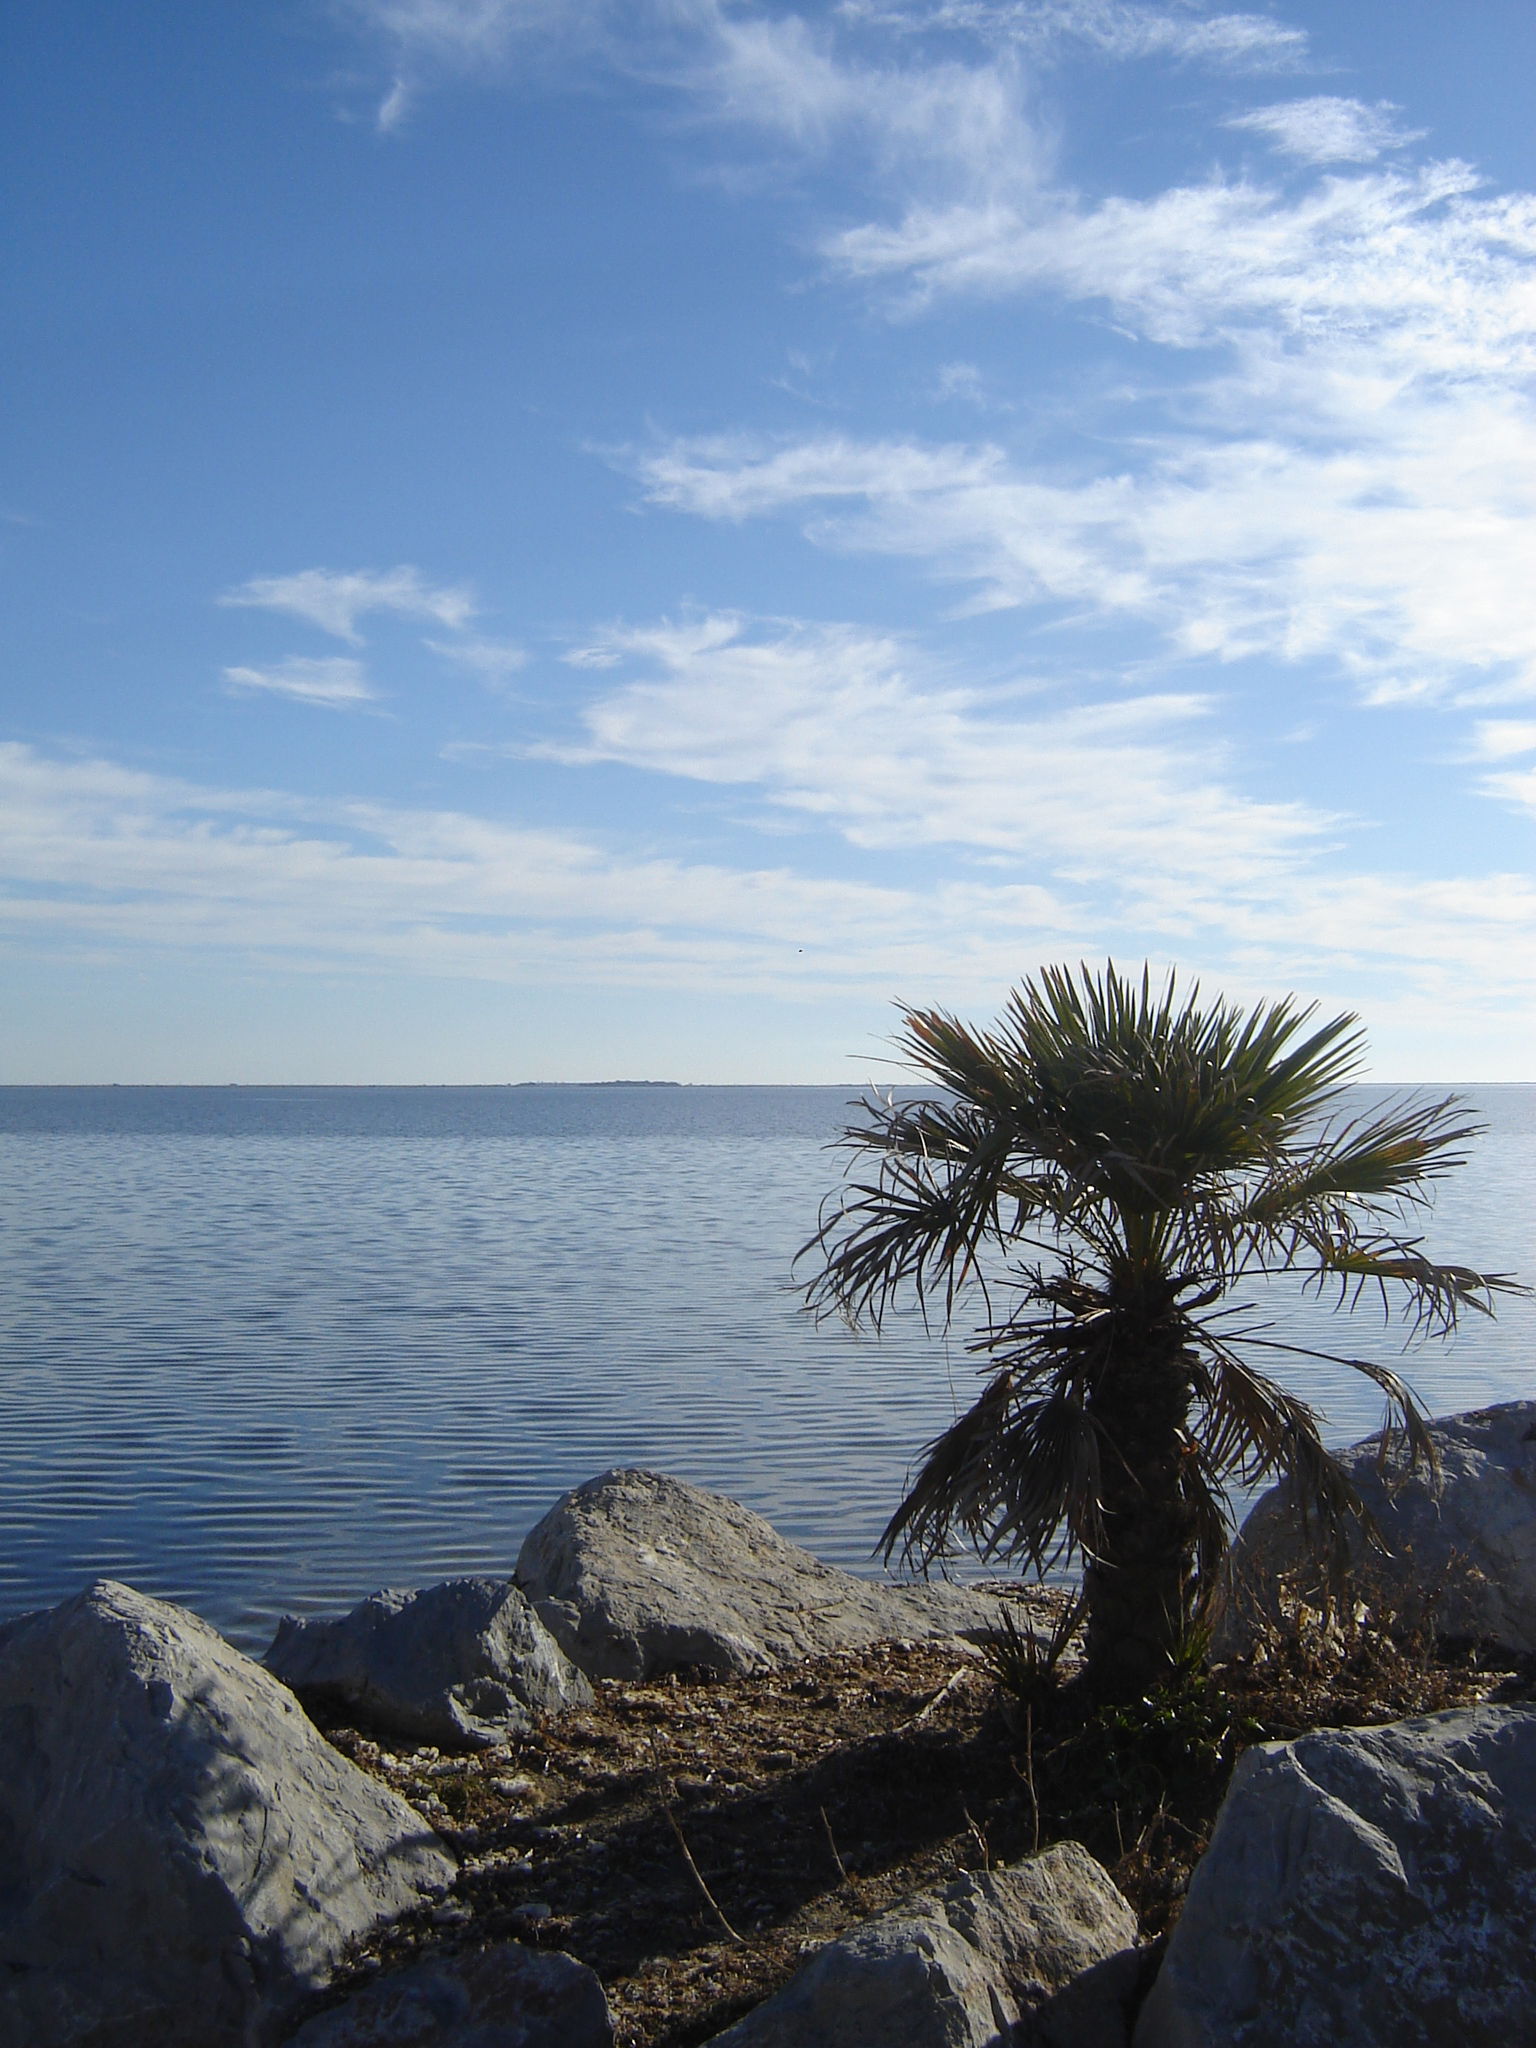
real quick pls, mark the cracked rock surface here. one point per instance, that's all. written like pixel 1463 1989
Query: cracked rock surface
pixel 1369 1886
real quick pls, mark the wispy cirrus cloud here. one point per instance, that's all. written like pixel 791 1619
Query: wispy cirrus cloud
pixel 97 856
pixel 1497 739
pixel 856 731
pixel 336 682
pixel 1405 565
pixel 427 42
pixel 1328 130
pixel 335 599
pixel 494 661
pixel 1114 28
pixel 811 77
pixel 1354 480
pixel 94 854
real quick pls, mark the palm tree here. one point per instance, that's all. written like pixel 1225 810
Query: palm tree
pixel 1114 1158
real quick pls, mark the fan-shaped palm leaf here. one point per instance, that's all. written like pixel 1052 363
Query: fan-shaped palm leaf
pixel 1151 1150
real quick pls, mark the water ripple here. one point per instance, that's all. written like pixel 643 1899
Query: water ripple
pixel 261 1355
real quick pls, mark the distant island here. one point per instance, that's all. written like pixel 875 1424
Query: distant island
pixel 595 1084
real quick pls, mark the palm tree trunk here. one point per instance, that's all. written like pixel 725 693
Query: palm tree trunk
pixel 1138 1587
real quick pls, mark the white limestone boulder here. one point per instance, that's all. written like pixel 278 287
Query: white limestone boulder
pixel 465 1664
pixel 1461 1549
pixel 506 1996
pixel 182 1856
pixel 1374 1887
pixel 959 1968
pixel 635 1574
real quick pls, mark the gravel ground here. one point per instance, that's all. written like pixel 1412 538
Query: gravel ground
pixel 691 1840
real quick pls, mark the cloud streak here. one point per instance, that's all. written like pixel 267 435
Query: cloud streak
pixel 1326 130
pixel 851 730
pixel 94 855
pixel 334 600
pixel 1112 28
pixel 336 682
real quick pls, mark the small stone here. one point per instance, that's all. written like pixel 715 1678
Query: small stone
pixel 505 1996
pixel 514 1788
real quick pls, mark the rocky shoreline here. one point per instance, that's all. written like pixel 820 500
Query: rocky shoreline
pixel 679 1781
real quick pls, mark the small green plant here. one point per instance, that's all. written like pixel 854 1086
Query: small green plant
pixel 1023 1665
pixel 1135 1758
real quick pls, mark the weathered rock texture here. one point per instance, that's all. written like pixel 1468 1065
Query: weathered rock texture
pixel 502 1997
pixel 182 1855
pixel 1365 1888
pixel 1462 1550
pixel 636 1574
pixel 959 1968
pixel 460 1664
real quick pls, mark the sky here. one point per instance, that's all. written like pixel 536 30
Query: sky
pixel 552 540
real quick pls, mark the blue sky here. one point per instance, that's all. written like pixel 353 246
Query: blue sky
pixel 546 540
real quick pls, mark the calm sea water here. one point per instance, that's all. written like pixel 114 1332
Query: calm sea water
pixel 263 1350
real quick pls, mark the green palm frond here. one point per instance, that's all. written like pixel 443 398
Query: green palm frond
pixel 1433 1294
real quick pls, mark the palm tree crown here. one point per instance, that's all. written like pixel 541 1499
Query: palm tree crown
pixel 1106 1164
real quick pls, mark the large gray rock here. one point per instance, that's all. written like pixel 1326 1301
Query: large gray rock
pixel 1374 1887
pixel 462 1664
pixel 502 1997
pixel 634 1574
pixel 959 1968
pixel 1462 1550
pixel 182 1855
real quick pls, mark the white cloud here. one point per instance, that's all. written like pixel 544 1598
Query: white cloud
pixel 338 682
pixel 786 72
pixel 492 660
pixel 92 852
pixel 334 600
pixel 961 123
pixel 1406 564
pixel 1326 130
pixel 854 731
pixel 1517 788
pixel 1355 480
pixel 1497 739
pixel 423 41
pixel 1116 28
pixel 1406 262
pixel 453 31
pixel 93 856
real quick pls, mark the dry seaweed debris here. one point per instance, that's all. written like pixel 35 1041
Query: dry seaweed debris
pixel 691 1839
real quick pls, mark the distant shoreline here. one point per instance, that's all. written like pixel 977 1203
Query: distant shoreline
pixel 596 1084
